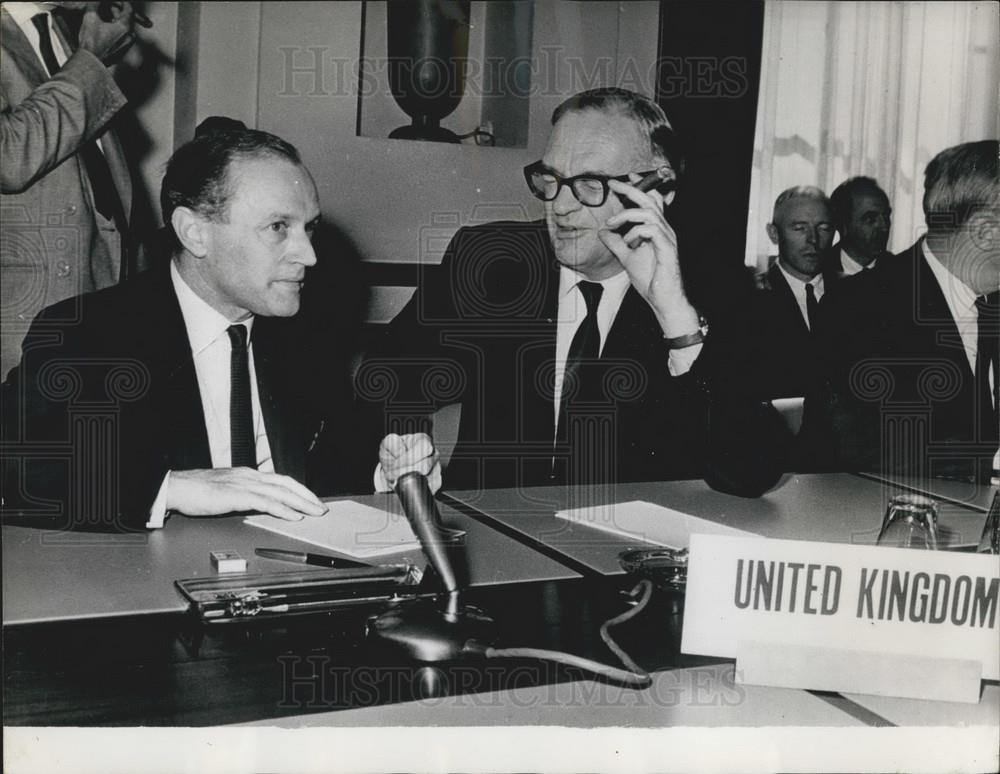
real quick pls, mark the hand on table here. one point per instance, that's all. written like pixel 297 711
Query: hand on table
pixel 399 454
pixel 216 491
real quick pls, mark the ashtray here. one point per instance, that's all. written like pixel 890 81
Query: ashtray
pixel 665 567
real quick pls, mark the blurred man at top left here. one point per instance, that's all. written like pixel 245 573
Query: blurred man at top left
pixel 66 193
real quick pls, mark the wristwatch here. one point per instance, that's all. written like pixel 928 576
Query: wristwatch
pixel 689 339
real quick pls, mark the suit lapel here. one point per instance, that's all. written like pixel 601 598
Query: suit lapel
pixel 629 326
pixel 537 402
pixel 18 48
pixel 285 417
pixel 786 299
pixel 176 380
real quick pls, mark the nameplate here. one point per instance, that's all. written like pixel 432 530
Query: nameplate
pixel 865 619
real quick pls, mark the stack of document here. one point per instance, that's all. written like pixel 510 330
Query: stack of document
pixel 650 523
pixel 349 528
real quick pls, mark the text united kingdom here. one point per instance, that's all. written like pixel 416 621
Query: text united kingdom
pixel 882 594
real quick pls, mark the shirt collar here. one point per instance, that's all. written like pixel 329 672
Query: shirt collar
pixel 204 324
pixel 22 12
pixel 853 267
pixel 795 282
pixel 956 292
pixel 614 287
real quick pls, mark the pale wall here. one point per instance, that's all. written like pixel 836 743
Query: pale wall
pixel 397 200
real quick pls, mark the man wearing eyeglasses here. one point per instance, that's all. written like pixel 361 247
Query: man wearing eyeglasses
pixel 570 342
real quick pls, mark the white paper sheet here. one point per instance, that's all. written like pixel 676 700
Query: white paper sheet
pixel 349 528
pixel 641 520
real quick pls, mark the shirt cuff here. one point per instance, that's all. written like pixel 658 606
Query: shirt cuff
pixel 679 361
pixel 378 480
pixel 158 511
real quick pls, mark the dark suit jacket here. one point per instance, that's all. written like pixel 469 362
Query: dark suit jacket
pixel 481 330
pixel 99 409
pixel 898 394
pixel 833 261
pixel 785 357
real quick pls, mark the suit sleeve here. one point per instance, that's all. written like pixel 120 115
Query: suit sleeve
pixel 70 461
pixel 57 118
pixel 745 440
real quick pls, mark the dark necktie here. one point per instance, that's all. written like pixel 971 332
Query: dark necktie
pixel 988 356
pixel 586 345
pixel 106 198
pixel 243 442
pixel 811 305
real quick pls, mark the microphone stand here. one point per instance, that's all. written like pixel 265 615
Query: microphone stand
pixel 443 629
pixel 434 630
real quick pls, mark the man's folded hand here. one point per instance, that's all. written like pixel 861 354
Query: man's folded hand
pixel 414 452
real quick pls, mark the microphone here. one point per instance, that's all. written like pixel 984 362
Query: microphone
pixel 421 631
pixel 426 630
pixel 422 513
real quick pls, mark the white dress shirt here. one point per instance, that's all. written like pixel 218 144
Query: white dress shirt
pixel 799 290
pixel 22 14
pixel 211 350
pixel 850 267
pixel 571 312
pixel 961 300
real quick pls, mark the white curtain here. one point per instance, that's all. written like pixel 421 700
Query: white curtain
pixel 869 88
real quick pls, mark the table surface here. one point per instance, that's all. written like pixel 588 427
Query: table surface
pixel 697 696
pixel 836 508
pixel 51 576
pixel 909 713
pixel 959 492
pixel 63 577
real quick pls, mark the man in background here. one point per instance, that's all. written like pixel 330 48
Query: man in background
pixel 66 193
pixel 784 308
pixel 863 217
pixel 910 351
pixel 196 388
pixel 571 343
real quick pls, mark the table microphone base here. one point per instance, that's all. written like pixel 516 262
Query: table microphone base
pixel 425 632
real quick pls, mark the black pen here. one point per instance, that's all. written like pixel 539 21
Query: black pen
pixel 298 557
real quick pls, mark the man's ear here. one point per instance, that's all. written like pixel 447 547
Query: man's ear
pixel 772 232
pixel 191 230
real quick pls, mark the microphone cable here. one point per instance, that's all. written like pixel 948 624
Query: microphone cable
pixel 633 675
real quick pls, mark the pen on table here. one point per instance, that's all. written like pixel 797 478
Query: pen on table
pixel 299 557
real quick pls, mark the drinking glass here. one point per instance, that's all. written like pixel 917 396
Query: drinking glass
pixel 910 521
pixel 989 543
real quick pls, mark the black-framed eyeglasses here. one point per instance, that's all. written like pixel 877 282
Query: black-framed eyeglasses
pixel 590 190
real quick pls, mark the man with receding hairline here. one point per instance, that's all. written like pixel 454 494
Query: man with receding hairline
pixel 863 217
pixel 196 388
pixel 783 309
pixel 571 343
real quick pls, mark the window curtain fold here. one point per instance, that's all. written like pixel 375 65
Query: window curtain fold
pixel 869 88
